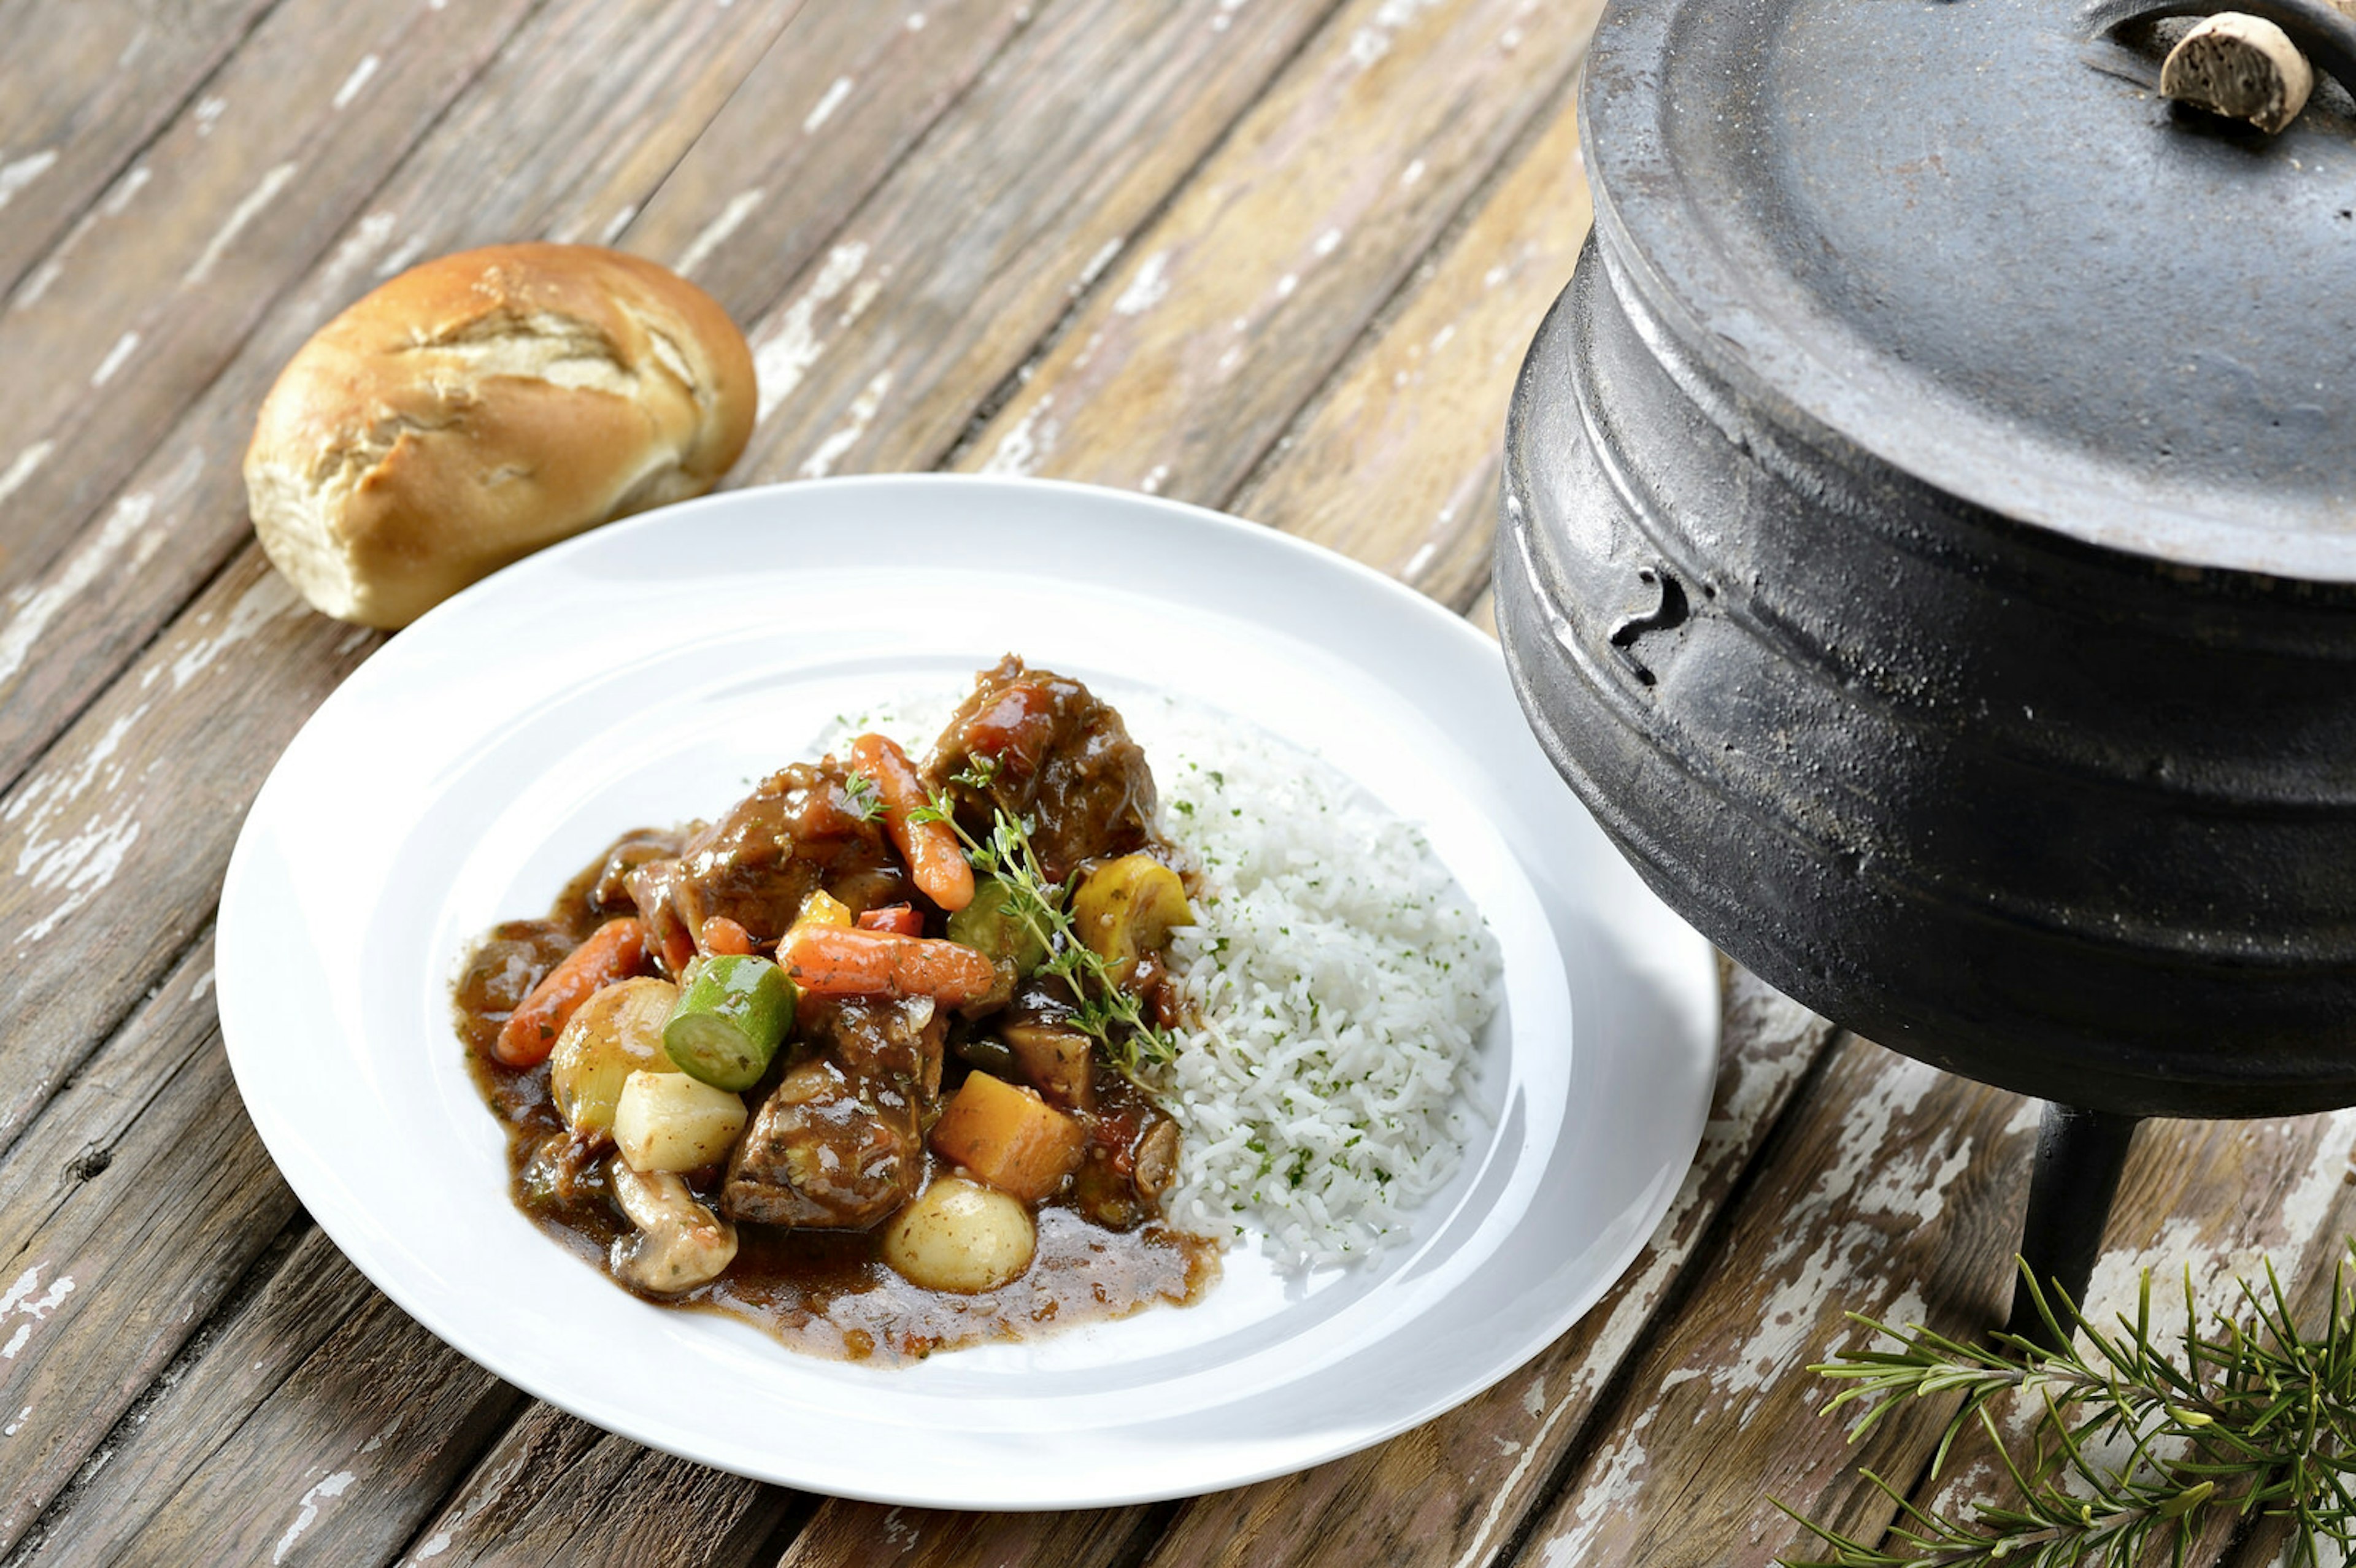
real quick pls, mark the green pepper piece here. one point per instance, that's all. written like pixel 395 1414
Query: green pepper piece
pixel 733 1011
pixel 991 925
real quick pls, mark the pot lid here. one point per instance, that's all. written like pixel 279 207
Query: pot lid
pixel 1970 237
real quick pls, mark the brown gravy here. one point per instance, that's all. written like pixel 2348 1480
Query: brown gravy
pixel 828 1293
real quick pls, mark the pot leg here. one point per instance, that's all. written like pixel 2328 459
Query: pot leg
pixel 2080 1154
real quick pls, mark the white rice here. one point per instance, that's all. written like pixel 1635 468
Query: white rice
pixel 1342 980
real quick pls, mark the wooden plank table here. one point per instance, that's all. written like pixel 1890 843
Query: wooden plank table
pixel 1279 257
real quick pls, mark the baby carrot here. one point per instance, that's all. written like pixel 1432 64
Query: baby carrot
pixel 900 919
pixel 614 952
pixel 830 961
pixel 935 863
pixel 725 936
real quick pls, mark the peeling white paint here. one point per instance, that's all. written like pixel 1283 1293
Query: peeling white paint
pixel 82 866
pixel 269 598
pixel 43 276
pixel 209 109
pixel 1155 477
pixel 1148 288
pixel 434 1546
pixel 615 224
pixel 366 238
pixel 27 1282
pixel 1617 1479
pixel 823 110
pixel 356 81
pixel 1533 1398
pixel 780 363
pixel 333 1486
pixel 116 356
pixel 21 469
pixel 19 173
pixel 1286 284
pixel 1372 42
pixel 1328 242
pixel 1033 437
pixel 857 417
pixel 916 21
pixel 1409 176
pixel 15 1342
pixel 134 179
pixel 713 234
pixel 1420 558
pixel 11 1429
pixel 2303 1211
pixel 1098 262
pixel 351 640
pixel 401 255
pixel 244 213
pixel 32 609
pixel 198 992
pixel 50 1301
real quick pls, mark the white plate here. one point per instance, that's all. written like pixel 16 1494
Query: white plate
pixel 645 673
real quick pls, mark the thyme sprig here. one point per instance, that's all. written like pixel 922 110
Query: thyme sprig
pixel 1103 1010
pixel 2133 1448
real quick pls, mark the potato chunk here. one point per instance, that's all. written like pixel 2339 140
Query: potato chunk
pixel 616 1032
pixel 670 1122
pixel 960 1236
pixel 1008 1138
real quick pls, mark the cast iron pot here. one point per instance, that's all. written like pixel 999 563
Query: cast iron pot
pixel 1929 545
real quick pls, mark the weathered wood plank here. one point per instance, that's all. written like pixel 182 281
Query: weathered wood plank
pixel 866 1535
pixel 2217 1200
pixel 1396 463
pixel 545 136
pixel 1454 1489
pixel 223 211
pixel 338 1463
pixel 556 1491
pixel 128 1210
pixel 1186 367
pixel 1898 1193
pixel 230 1368
pixel 834 105
pixel 82 88
pixel 1893 1190
pixel 880 352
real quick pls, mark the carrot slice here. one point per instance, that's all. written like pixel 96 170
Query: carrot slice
pixel 836 961
pixel 899 919
pixel 937 863
pixel 723 935
pixel 613 951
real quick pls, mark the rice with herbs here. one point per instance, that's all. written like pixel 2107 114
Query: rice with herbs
pixel 1342 979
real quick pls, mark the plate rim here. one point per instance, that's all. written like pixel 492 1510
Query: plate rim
pixel 413 1301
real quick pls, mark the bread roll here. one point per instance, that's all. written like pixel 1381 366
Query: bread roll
pixel 480 406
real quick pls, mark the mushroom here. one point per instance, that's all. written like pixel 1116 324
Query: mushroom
pixel 679 1242
pixel 2240 66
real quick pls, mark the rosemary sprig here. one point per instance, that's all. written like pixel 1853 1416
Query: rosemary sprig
pixel 1103 1010
pixel 2132 1447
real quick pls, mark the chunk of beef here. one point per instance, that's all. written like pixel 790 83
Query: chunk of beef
pixel 1062 758
pixel 897 1041
pixel 829 1149
pixel 756 864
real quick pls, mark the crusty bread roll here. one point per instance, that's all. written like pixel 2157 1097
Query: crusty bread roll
pixel 481 406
